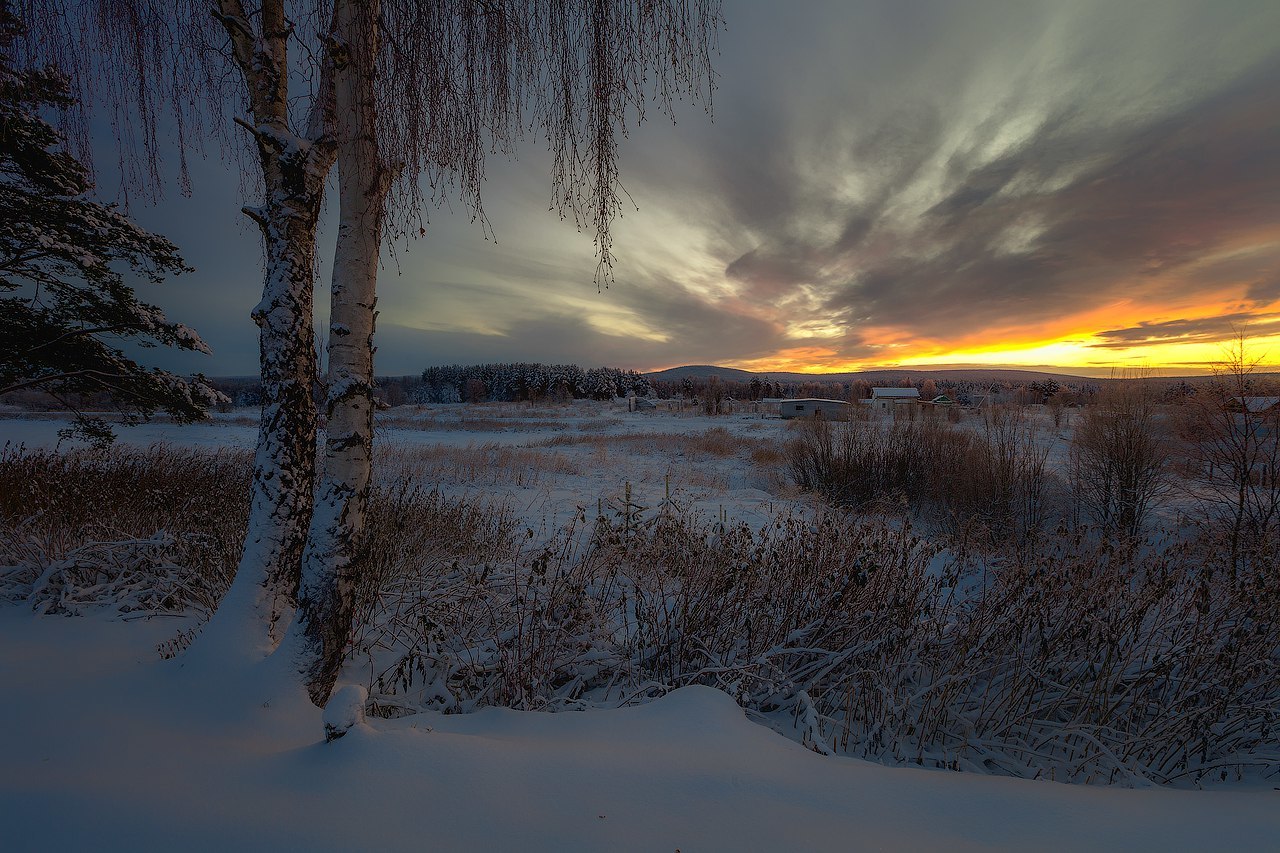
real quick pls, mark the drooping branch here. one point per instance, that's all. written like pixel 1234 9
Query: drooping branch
pixel 460 80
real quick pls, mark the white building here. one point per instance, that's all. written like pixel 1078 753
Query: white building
pixel 884 399
pixel 833 409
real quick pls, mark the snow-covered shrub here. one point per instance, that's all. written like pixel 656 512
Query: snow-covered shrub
pixel 632 608
pixel 993 480
pixel 1085 663
pixel 155 530
pixel 153 575
pixel 1075 661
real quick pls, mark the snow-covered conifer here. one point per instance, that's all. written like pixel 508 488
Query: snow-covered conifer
pixel 66 308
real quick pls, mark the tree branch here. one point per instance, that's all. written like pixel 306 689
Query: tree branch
pixel 256 214
pixel 75 333
pixel 101 376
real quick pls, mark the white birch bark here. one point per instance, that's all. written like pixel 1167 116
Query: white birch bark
pixel 250 620
pixel 330 567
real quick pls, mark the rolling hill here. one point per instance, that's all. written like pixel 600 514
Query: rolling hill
pixel 675 374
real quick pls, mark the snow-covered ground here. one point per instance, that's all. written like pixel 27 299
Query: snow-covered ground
pixel 105 747
pixel 584 455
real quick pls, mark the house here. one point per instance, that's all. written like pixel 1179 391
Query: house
pixel 1259 405
pixel 884 399
pixel 809 407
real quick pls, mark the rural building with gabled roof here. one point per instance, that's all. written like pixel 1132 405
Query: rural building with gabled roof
pixel 811 406
pixel 884 399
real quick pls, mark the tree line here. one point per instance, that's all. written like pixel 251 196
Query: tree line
pixel 521 381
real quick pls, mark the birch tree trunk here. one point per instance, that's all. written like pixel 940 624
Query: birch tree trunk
pixel 331 564
pixel 251 618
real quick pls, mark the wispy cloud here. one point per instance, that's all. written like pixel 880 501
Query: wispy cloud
pixel 887 179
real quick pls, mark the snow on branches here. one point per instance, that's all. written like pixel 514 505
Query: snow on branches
pixel 66 308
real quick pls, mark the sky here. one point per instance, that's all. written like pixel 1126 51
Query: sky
pixel 1085 185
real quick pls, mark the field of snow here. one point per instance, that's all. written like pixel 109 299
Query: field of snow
pixel 107 747
pixel 582 456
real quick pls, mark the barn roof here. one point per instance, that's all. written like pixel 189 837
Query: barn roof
pixel 1260 404
pixel 816 400
pixel 894 392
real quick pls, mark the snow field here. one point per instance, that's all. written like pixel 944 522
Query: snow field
pixel 107 748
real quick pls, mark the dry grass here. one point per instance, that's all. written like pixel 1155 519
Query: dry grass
pixel 486 465
pixel 1083 664
pixel 992 482
pixel 155 529
pixel 161 529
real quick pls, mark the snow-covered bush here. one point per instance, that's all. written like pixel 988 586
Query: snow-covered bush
pixel 156 575
pixel 992 480
pixel 1080 662
pixel 156 530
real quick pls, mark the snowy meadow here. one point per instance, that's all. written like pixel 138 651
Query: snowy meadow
pixel 581 627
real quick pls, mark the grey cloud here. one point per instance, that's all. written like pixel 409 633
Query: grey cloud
pixel 850 162
pixel 561 339
pixel 1266 291
pixel 1162 197
pixel 1200 330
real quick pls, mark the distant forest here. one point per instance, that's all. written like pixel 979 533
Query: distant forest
pixel 521 381
pixel 533 381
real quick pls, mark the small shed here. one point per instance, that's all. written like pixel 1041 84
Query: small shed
pixel 640 404
pixel 884 399
pixel 812 406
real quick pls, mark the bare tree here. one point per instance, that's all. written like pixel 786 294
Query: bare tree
pixel 1118 456
pixel 1233 426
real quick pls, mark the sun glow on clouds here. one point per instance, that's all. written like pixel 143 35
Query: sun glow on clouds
pixel 1085 355
pixel 1152 329
pixel 625 325
pixel 1079 185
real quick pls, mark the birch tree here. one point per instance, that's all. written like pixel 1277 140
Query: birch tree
pixel 295 166
pixel 201 69
pixel 409 97
pixel 426 92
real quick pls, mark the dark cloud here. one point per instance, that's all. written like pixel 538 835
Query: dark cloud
pixel 1201 330
pixel 1088 206
pixel 1143 202
pixel 1264 292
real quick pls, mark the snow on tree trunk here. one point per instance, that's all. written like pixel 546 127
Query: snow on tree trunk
pixel 262 596
pixel 251 619
pixel 331 566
